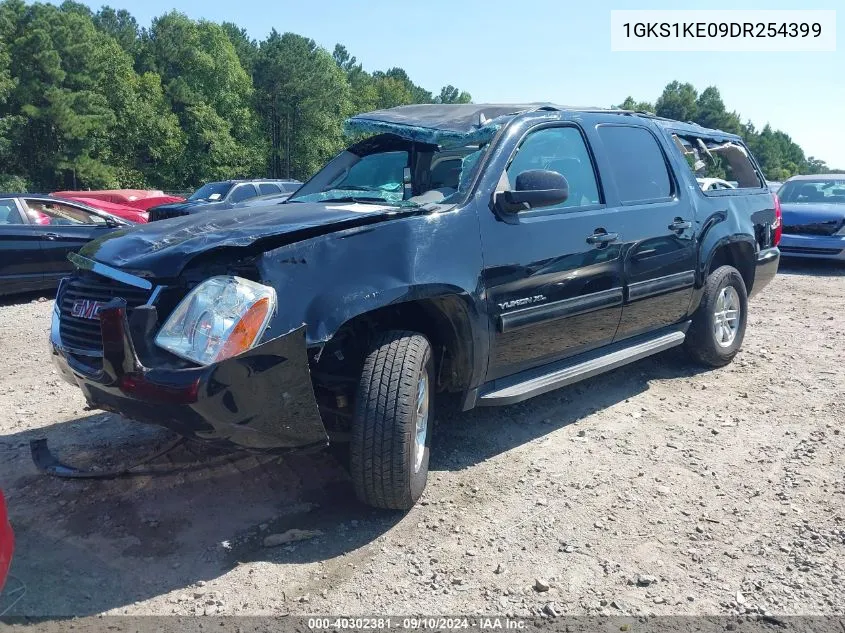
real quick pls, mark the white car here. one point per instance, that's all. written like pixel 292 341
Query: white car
pixel 714 184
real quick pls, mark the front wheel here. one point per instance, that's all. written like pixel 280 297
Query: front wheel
pixel 718 326
pixel 391 427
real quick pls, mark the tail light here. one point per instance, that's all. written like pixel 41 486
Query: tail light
pixel 778 223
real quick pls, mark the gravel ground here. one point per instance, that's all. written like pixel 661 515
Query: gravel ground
pixel 657 488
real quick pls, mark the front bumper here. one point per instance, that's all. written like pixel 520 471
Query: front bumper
pixel 813 246
pixel 260 400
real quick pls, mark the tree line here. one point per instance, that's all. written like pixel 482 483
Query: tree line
pixel 93 100
pixel 779 156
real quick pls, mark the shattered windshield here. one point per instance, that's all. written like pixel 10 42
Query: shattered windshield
pixel 386 175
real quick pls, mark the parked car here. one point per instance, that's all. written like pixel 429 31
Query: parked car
pixel 215 196
pixel 714 184
pixel 814 216
pixel 124 211
pixel 116 196
pixel 559 244
pixel 7 542
pixel 36 234
pixel 774 185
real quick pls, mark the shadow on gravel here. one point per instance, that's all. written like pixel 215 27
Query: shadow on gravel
pixel 813 267
pixel 27 297
pixel 87 546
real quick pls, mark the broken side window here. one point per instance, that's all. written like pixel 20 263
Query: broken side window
pixel 726 161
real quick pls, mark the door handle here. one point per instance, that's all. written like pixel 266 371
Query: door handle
pixel 602 237
pixel 680 225
pixel 50 236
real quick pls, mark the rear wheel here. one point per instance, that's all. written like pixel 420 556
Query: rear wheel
pixel 718 326
pixel 391 427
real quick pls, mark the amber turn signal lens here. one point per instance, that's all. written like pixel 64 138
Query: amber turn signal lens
pixel 247 330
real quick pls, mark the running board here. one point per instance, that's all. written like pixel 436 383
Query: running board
pixel 565 373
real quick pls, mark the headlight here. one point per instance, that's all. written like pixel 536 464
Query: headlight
pixel 221 317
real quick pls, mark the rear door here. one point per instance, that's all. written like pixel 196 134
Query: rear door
pixel 63 228
pixel 21 258
pixel 656 231
pixel 552 275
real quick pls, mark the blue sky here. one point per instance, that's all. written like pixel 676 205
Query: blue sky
pixel 544 50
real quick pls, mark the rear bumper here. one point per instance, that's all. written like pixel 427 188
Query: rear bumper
pixel 813 246
pixel 766 268
pixel 260 400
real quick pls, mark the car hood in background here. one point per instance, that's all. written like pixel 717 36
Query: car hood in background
pixel 162 249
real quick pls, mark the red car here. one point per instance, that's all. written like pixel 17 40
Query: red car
pixel 118 196
pixel 7 542
pixel 124 211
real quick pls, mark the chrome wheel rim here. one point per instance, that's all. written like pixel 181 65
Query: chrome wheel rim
pixel 726 316
pixel 422 422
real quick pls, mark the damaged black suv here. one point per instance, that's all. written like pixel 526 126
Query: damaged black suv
pixel 494 252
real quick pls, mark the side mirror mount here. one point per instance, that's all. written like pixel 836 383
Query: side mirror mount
pixel 535 188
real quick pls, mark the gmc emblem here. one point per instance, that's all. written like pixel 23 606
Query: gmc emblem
pixel 86 309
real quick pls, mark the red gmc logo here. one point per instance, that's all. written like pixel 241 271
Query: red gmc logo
pixel 86 309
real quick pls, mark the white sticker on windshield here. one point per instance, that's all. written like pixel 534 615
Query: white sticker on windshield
pixel 214 196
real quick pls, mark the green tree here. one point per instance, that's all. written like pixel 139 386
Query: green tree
pixel 212 96
pixel 121 26
pixel 636 106
pixel 450 94
pixel 678 101
pixel 304 97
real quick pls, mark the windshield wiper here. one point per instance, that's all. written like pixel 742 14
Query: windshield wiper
pixel 361 199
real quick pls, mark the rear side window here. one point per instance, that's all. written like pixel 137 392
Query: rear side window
pixel 243 192
pixel 636 163
pixel 268 188
pixel 725 160
pixel 9 213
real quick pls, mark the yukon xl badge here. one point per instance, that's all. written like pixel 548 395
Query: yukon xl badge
pixel 86 309
pixel 526 301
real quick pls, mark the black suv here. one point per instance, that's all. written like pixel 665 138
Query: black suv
pixel 214 196
pixel 494 252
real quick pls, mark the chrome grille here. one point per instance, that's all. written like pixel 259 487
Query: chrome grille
pixel 84 334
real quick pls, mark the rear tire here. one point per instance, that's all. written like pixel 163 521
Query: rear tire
pixel 718 326
pixel 392 419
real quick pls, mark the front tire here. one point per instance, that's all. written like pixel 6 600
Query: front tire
pixel 391 427
pixel 718 326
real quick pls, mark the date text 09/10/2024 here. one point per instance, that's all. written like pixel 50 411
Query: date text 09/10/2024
pixel 417 623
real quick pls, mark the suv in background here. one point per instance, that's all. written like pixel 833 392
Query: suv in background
pixel 487 252
pixel 214 196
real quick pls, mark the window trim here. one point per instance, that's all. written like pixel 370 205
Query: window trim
pixel 557 209
pixel 674 193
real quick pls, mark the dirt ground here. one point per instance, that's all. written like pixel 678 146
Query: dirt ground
pixel 657 488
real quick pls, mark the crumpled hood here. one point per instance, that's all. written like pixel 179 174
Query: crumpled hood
pixel 162 249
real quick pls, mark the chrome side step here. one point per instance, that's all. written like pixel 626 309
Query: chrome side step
pixel 567 372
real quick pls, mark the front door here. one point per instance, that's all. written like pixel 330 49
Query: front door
pixel 553 275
